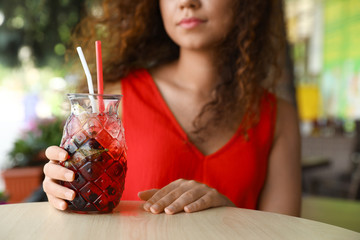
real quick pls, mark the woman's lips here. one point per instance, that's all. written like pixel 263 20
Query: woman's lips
pixel 189 23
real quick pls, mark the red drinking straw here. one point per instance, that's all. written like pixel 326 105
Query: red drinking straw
pixel 99 69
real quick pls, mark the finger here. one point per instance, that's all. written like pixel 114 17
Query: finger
pixel 185 199
pixel 205 202
pixel 151 204
pixel 167 200
pixel 58 172
pixel 146 195
pixel 56 202
pixel 56 153
pixel 56 190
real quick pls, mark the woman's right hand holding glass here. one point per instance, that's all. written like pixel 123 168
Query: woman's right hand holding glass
pixel 54 172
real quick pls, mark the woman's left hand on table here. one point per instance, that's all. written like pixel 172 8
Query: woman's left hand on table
pixel 183 195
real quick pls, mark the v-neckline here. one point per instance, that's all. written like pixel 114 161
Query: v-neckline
pixel 182 132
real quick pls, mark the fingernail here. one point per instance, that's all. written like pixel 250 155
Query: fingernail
pixel 186 209
pixel 69 176
pixel 62 205
pixel 147 206
pixel 62 156
pixel 169 210
pixel 155 208
pixel 69 195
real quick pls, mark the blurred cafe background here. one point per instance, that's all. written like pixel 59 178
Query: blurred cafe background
pixel 321 77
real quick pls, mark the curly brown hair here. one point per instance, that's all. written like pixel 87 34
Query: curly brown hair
pixel 134 37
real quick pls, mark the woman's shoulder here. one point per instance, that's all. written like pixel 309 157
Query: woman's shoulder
pixel 281 107
pixel 287 121
pixel 280 114
pixel 112 88
pixel 285 109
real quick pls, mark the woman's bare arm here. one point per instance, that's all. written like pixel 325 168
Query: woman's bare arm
pixel 282 189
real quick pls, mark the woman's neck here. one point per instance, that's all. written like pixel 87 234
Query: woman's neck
pixel 195 71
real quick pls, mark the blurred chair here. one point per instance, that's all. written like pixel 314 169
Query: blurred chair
pixel 354 187
pixel 309 164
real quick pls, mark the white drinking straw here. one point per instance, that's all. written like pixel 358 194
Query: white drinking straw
pixel 88 77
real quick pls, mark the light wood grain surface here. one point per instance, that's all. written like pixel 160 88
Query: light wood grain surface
pixel 128 221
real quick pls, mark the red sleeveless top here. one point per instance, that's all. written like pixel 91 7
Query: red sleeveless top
pixel 160 152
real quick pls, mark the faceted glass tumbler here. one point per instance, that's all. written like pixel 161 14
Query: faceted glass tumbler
pixel 94 138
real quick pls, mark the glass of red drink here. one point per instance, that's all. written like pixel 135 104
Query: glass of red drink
pixel 94 138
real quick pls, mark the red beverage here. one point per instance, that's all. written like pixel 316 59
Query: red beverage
pixel 97 153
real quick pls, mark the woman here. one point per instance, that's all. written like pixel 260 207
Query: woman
pixel 202 128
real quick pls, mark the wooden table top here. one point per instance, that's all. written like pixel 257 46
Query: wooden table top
pixel 129 221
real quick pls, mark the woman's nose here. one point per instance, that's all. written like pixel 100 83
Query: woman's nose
pixel 189 4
